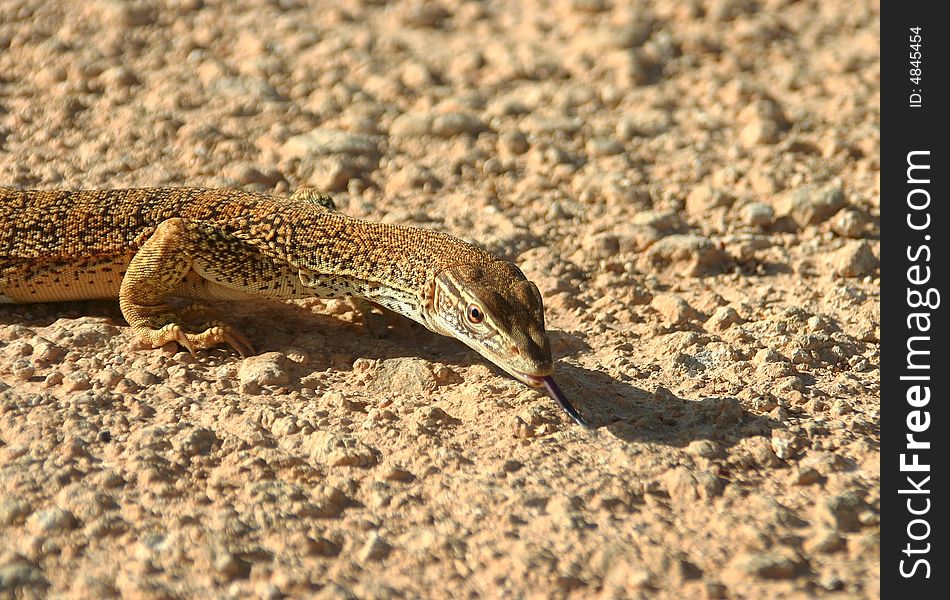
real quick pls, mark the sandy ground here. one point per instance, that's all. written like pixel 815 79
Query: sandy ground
pixel 694 186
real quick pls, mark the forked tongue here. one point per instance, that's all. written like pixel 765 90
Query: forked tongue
pixel 559 397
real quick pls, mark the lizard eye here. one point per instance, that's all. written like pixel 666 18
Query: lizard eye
pixel 474 314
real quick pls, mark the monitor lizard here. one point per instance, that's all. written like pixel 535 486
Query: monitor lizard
pixel 144 246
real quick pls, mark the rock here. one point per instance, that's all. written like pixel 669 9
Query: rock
pixel 412 376
pixel 691 254
pixel 664 221
pixel 411 124
pixel 452 124
pixel 646 123
pixel 757 214
pixel 600 245
pixel 805 476
pixel 855 259
pixel 604 147
pixel 46 352
pixel 328 502
pixel 841 512
pixel 513 142
pixel 760 131
pixel 785 444
pixel 811 205
pixel 263 370
pixel 341 450
pixel 723 318
pixel 229 566
pixel 762 453
pixel 850 223
pixel 375 548
pixel 824 541
pixel 247 174
pixel 684 485
pixel 327 142
pixel 703 198
pixel 194 441
pixel 119 77
pixel 411 177
pixel 77 381
pixel 704 449
pixel 23 369
pixel 423 15
pixel 765 565
pixel 13 510
pixel 85 503
pixel 673 308
pixel 50 520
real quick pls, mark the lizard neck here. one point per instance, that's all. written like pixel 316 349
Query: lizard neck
pixel 392 265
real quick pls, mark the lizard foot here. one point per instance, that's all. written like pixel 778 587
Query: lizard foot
pixel 215 334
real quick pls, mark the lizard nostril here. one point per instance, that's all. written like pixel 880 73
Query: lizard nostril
pixel 515 350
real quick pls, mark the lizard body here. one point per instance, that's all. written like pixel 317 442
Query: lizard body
pixel 146 245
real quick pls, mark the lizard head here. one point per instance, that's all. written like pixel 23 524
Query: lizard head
pixel 494 309
pixel 497 312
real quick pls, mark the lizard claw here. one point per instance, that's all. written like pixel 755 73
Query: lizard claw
pixel 238 341
pixel 183 341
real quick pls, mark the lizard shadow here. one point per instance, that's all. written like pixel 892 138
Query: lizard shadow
pixel 632 414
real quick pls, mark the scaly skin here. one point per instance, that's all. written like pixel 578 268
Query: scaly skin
pixel 143 246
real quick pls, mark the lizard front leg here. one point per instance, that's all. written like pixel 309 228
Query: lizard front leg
pixel 160 268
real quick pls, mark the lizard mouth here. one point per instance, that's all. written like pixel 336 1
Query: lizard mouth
pixel 547 382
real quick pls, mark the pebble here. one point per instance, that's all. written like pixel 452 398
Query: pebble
pixel 604 147
pixel 230 567
pixel 23 369
pixel 785 444
pixel 46 352
pixel 340 450
pixel 412 376
pixel 328 501
pixel 513 142
pixel 412 177
pixel 854 259
pixel 452 124
pixel 762 453
pixel 811 204
pixel 423 15
pixel 77 381
pixel 723 318
pixel 850 223
pixel 646 123
pixel 269 369
pixel 673 309
pixel 759 131
pixel 326 142
pixel 194 441
pixel 757 214
pixel 684 485
pixel 765 565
